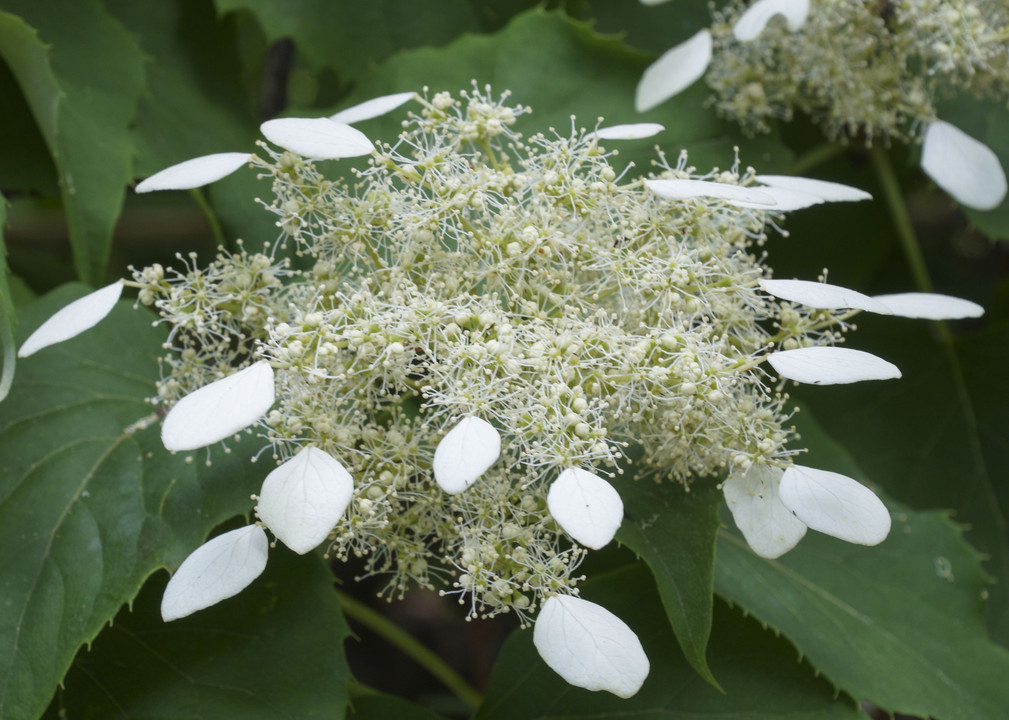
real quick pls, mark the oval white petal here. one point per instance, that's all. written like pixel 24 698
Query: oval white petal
pixel 930 306
pixel 768 526
pixel 964 167
pixel 752 22
pixel 73 319
pixel 835 504
pixel 317 138
pixel 220 409
pixel 589 646
pixel 195 173
pixel 787 200
pixel 676 70
pixel 218 569
pixel 681 189
pixel 634 131
pixel 304 498
pixel 372 108
pixel 823 189
pixel 465 453
pixel 587 507
pixel 822 295
pixel 831 366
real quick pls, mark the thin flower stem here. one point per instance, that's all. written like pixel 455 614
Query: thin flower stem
pixel 894 198
pixel 815 157
pixel 408 645
pixel 211 217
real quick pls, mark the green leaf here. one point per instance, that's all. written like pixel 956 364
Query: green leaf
pixel 938 436
pixel 343 36
pixel 90 503
pixel 383 707
pixel 654 28
pixel 81 74
pixel 194 103
pixel 674 532
pixel 273 652
pixel 760 672
pixel 900 624
pixel 561 67
pixel 7 313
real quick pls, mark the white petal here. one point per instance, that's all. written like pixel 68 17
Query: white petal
pixel 589 646
pixel 752 22
pixel 465 453
pixel 835 504
pixel 634 131
pixel 304 498
pixel 831 366
pixel 317 138
pixel 768 526
pixel 73 319
pixel 218 569
pixel 930 306
pixel 962 166
pixel 732 194
pixel 823 296
pixel 195 173
pixel 219 409
pixel 372 108
pixel 676 70
pixel 823 189
pixel 787 200
pixel 587 507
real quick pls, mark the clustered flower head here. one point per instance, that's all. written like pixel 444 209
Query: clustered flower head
pixel 862 70
pixel 480 330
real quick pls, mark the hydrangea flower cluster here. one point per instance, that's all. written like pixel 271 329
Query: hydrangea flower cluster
pixel 865 70
pixel 482 328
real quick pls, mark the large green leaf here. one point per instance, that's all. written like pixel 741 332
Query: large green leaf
pixel 900 624
pixel 561 67
pixel 937 437
pixel 91 504
pixel 349 37
pixel 759 672
pixel 194 103
pixel 674 532
pixel 383 707
pixel 273 652
pixel 81 73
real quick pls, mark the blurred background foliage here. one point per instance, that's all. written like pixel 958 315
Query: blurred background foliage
pixel 95 94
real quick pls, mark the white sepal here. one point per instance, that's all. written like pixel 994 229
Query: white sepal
pixel 831 366
pixel 215 571
pixel 769 527
pixel 681 189
pixel 676 70
pixel 219 409
pixel 752 22
pixel 834 504
pixel 589 646
pixel 317 138
pixel 587 507
pixel 465 453
pixel 964 167
pixel 823 189
pixel 195 173
pixel 304 498
pixel 930 306
pixel 73 319
pixel 373 108
pixel 634 131
pixel 787 200
pixel 823 296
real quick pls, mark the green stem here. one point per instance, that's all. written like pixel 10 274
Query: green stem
pixel 894 198
pixel 815 157
pixel 211 217
pixel 407 644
